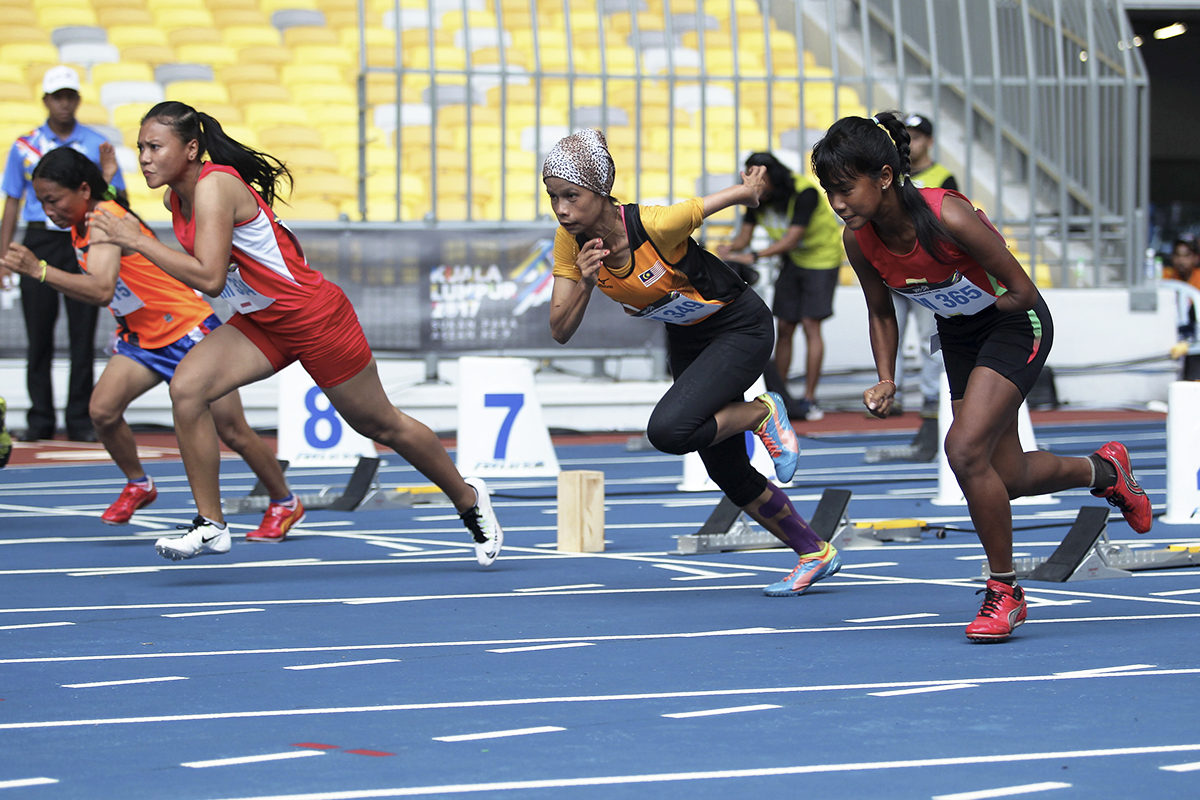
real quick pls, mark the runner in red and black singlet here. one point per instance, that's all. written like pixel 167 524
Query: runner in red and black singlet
pixel 220 194
pixel 719 333
pixel 994 331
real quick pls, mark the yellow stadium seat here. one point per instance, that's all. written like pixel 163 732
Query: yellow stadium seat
pixel 291 74
pixel 323 54
pixel 121 71
pixel 23 33
pixel 159 5
pixel 128 117
pixel 230 17
pixel 226 5
pixel 122 15
pixel 19 14
pixel 334 188
pixel 239 36
pixel 265 55
pixel 92 114
pixel 313 209
pixel 224 113
pixel 154 54
pixel 248 73
pixel 309 34
pixel 241 133
pixel 32 54
pixel 307 159
pixel 325 94
pixel 327 117
pixel 25 114
pixel 14 91
pixel 173 18
pixel 268 115
pixel 197 93
pixel 280 136
pixel 126 35
pixel 270 6
pixel 12 72
pixel 101 4
pixel 243 93
pixel 213 54
pixel 178 37
pixel 56 16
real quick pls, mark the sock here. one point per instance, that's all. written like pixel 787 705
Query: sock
pixel 1104 474
pixel 1004 577
pixel 800 536
pixel 143 481
pixel 218 525
pixel 289 501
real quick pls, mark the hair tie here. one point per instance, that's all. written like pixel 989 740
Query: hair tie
pixel 110 193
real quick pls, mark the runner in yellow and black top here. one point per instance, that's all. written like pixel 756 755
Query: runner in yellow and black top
pixel 807 236
pixel 158 321
pixel 718 334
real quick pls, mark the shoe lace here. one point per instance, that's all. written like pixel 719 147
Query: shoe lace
pixel 991 602
pixel 474 522
pixel 195 523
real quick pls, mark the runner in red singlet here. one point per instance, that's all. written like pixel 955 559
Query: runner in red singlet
pixel 236 248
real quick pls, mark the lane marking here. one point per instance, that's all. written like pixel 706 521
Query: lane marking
pixel 226 762
pixel 122 683
pixel 894 617
pixel 17 784
pixel 1008 791
pixel 34 625
pixel 695 574
pixel 764 772
pixel 1192 767
pixel 715 711
pixel 1176 593
pixel 215 613
pixel 924 689
pixel 471 737
pixel 561 588
pixel 541 647
pixel 346 663
pixel 1083 673
pixel 872 565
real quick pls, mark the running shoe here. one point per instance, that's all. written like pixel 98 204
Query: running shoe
pixel 481 521
pixel 276 523
pixel 5 438
pixel 202 539
pixel 812 568
pixel 814 413
pixel 133 497
pixel 778 437
pixel 1125 494
pixel 1002 611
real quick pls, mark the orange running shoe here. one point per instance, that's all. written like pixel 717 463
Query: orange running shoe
pixel 278 520
pixel 133 497
pixel 1002 611
pixel 1125 494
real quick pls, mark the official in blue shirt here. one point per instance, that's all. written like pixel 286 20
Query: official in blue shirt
pixel 60 94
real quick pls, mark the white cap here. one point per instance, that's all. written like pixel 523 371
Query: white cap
pixel 60 77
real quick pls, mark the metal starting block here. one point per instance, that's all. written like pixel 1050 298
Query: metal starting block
pixel 862 535
pixel 727 528
pixel 1086 553
pixel 362 480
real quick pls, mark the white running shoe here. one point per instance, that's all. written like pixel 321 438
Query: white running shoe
pixel 202 539
pixel 481 521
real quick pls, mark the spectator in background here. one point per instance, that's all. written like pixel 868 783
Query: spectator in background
pixel 1185 266
pixel 806 234
pixel 39 302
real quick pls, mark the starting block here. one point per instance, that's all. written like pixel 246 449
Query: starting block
pixel 862 535
pixel 1086 553
pixel 727 528
pixel 362 481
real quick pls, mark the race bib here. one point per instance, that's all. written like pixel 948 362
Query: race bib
pixel 678 309
pixel 950 298
pixel 124 302
pixel 240 296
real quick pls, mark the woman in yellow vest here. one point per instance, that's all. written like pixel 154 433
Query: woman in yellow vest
pixel 807 236
pixel 719 335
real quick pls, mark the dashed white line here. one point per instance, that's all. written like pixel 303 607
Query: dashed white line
pixel 17 784
pixel 346 663
pixel 1192 767
pixel 923 689
pixel 34 625
pixel 893 618
pixel 122 683
pixel 540 647
pixel 215 613
pixel 715 711
pixel 1008 791
pixel 470 737
pixel 561 588
pixel 226 762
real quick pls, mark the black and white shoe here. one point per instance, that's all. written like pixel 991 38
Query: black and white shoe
pixel 202 539
pixel 481 521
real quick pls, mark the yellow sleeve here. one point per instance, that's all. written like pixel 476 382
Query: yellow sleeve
pixel 565 251
pixel 670 226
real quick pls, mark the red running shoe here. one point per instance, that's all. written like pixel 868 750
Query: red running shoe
pixel 1125 494
pixel 133 497
pixel 278 520
pixel 1002 611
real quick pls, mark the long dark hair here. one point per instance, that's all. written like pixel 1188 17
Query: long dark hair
pixel 855 146
pixel 783 183
pixel 262 171
pixel 71 169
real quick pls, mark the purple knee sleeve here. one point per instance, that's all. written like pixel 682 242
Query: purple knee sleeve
pixel 800 536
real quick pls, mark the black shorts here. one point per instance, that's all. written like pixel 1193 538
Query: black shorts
pixel 803 293
pixel 1015 345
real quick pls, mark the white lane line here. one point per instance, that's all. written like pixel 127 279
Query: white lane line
pixel 1008 791
pixel 122 683
pixel 871 565
pixel 215 613
pixel 893 618
pixel 226 762
pixel 1192 767
pixel 715 711
pixel 17 784
pixel 695 574
pixel 924 689
pixel 471 737
pixel 541 647
pixel 1175 593
pixel 34 625
pixel 346 663
pixel 673 777
pixel 561 588
pixel 1099 671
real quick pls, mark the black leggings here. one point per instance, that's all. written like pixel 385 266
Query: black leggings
pixel 713 363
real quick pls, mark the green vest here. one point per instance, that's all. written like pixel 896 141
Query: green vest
pixel 932 177
pixel 821 247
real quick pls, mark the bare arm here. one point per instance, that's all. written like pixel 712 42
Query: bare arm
pixel 740 242
pixel 885 339
pixel 747 193
pixel 569 299
pixel 94 287
pixel 791 237
pixel 8 227
pixel 988 250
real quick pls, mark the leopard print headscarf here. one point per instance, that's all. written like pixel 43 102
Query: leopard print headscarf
pixel 582 159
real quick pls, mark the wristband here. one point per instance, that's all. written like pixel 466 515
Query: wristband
pixel 44 265
pixel 885 380
pixel 110 193
pixel 754 254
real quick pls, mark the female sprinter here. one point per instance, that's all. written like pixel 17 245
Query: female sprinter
pixel 719 334
pixel 286 311
pixel 158 321
pixel 995 333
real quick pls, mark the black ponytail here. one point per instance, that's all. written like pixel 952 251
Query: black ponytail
pixel 855 146
pixel 71 169
pixel 260 170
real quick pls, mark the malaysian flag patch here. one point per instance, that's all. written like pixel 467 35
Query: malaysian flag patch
pixel 650 276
